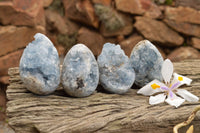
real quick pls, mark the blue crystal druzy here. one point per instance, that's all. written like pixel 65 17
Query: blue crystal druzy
pixel 80 72
pixel 116 74
pixel 147 61
pixel 40 66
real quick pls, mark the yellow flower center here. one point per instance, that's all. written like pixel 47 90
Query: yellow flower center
pixel 154 86
pixel 180 78
pixel 170 85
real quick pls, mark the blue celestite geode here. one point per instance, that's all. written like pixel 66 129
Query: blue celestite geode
pixel 80 72
pixel 116 74
pixel 147 61
pixel 40 66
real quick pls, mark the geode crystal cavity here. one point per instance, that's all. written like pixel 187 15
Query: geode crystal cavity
pixel 146 60
pixel 80 72
pixel 116 74
pixel 40 66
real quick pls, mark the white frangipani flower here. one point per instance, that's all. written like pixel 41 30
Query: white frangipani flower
pixel 169 88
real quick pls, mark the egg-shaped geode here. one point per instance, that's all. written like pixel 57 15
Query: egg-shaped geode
pixel 80 72
pixel 40 66
pixel 116 74
pixel 147 61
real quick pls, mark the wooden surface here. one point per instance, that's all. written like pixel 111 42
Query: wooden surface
pixel 101 112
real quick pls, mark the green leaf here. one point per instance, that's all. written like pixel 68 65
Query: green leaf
pixel 185 44
pixel 168 2
pixel 6 120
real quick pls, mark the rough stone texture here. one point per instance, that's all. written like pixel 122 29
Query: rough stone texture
pixel 93 40
pixel 133 6
pixel 162 8
pixel 195 42
pixel 128 44
pixel 47 3
pixel 116 74
pixel 67 40
pixel 147 61
pixel 4 80
pixel 102 2
pixel 120 38
pixel 81 11
pixel 153 11
pixel 111 19
pixel 183 14
pixel 191 3
pixel 80 72
pixel 185 28
pixel 162 52
pixel 55 22
pixel 52 37
pixel 73 27
pixel 9 60
pixel 22 12
pixel 13 38
pixel 139 7
pixel 102 112
pixel 61 50
pixel 125 30
pixel 111 40
pixel 4 128
pixel 183 53
pixel 151 29
pixel 40 66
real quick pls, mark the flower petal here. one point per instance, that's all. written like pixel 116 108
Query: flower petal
pixel 151 88
pixel 167 70
pixel 175 101
pixel 160 98
pixel 175 85
pixel 187 95
pixel 182 79
pixel 171 94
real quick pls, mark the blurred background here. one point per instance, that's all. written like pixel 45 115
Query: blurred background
pixel 172 25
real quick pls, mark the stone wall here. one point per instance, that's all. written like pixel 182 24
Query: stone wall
pixel 174 27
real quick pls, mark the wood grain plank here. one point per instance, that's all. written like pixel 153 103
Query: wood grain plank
pixel 100 112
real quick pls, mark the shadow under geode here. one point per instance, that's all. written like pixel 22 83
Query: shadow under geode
pixel 60 91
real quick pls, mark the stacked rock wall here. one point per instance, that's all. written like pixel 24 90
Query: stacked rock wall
pixel 174 28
